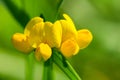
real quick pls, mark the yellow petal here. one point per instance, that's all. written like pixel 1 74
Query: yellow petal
pixel 31 23
pixel 36 34
pixel 21 42
pixel 53 34
pixel 68 19
pixel 44 51
pixel 69 48
pixel 84 38
pixel 68 28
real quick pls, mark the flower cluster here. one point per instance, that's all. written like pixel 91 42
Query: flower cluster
pixel 42 36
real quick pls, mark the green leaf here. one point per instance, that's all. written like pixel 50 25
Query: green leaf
pixel 20 15
pixel 48 8
pixel 64 65
pixel 8 26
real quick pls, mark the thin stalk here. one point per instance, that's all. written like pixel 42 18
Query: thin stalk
pixel 29 67
pixel 59 4
pixel 64 65
pixel 48 70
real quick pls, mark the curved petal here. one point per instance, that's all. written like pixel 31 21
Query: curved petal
pixel 69 48
pixel 68 19
pixel 84 38
pixel 21 42
pixel 53 34
pixel 31 23
pixel 36 34
pixel 68 28
pixel 44 51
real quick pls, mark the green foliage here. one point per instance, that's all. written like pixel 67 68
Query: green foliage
pixel 100 61
pixel 108 8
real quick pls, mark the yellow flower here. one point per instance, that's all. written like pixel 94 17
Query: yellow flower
pixel 73 40
pixel 21 43
pixel 40 35
pixel 43 36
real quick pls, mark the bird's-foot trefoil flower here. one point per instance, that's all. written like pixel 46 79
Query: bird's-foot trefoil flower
pixel 39 35
pixel 42 36
pixel 73 40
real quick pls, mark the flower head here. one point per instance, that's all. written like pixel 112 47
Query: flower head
pixel 21 42
pixel 39 35
pixel 43 36
pixel 73 40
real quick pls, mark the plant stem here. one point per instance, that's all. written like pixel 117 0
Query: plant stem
pixel 48 70
pixel 29 67
pixel 64 65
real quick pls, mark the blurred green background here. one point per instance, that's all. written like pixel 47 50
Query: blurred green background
pixel 99 61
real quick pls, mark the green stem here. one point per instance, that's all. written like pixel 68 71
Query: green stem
pixel 59 4
pixel 48 70
pixel 29 67
pixel 64 65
